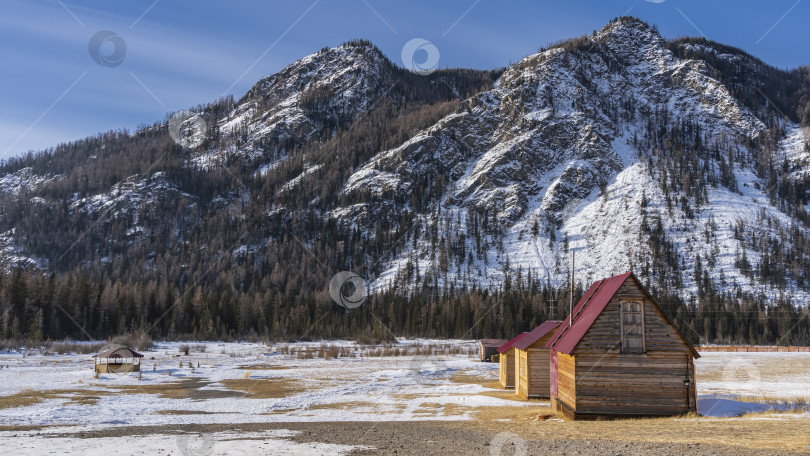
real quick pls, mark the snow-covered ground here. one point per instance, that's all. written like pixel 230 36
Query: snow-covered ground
pixel 344 389
pixel 783 376
pixel 732 384
pixel 259 383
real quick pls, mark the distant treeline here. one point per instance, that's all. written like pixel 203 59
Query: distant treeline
pixel 37 307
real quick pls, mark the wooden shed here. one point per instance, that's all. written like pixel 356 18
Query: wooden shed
pixel 532 361
pixel 489 347
pixel 620 355
pixel 118 360
pixel 507 360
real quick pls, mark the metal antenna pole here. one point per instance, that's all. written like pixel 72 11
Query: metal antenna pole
pixel 571 299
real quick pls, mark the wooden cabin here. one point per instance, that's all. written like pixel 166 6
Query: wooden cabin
pixel 620 355
pixel 489 347
pixel 118 360
pixel 507 361
pixel 532 361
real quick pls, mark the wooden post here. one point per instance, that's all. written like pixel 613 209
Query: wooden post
pixel 571 299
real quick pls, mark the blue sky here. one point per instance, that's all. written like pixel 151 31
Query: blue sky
pixel 183 53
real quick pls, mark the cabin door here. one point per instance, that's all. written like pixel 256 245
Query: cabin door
pixel 553 373
pixel 632 326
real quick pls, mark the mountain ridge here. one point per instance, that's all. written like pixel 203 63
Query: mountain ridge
pixel 637 152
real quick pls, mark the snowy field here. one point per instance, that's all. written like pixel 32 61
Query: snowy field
pixel 246 382
pixel 259 383
pixel 730 384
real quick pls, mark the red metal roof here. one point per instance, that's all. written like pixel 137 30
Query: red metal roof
pixel 503 348
pixel 493 342
pixel 535 334
pixel 586 312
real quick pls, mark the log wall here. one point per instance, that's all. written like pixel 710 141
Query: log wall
pixel 533 381
pixel 566 380
pixel 634 384
pixel 507 370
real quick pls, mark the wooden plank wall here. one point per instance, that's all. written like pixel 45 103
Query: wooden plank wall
pixel 503 375
pixel 566 383
pixel 521 360
pixel 538 381
pixel 535 382
pixel 507 371
pixel 605 333
pixel 651 383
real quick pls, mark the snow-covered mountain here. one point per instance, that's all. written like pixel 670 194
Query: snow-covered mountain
pixel 634 152
pixel 323 90
pixel 561 150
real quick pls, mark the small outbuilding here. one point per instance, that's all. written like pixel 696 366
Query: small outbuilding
pixel 118 360
pixel 532 361
pixel 507 361
pixel 489 347
pixel 620 355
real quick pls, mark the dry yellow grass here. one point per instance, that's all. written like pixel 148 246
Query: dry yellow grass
pixel 264 367
pixel 789 434
pixel 798 402
pixel 373 408
pixel 496 389
pixel 428 409
pixel 85 399
pixel 22 399
pixel 434 410
pixel 755 431
pixel 466 378
pixel 278 411
pixel 265 388
pixel 772 366
pixel 510 395
pixel 29 427
pixel 773 414
pixel 184 412
pixel 190 388
pixel 183 389
pixel 456 409
pixel 342 405
pixel 502 413
pixel 30 397
pixel 409 396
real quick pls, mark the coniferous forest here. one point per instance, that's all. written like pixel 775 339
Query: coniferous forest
pixel 47 306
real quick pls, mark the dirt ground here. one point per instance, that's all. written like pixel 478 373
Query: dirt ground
pixel 523 435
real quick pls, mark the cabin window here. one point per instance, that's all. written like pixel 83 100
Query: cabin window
pixel 522 367
pixel 632 327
